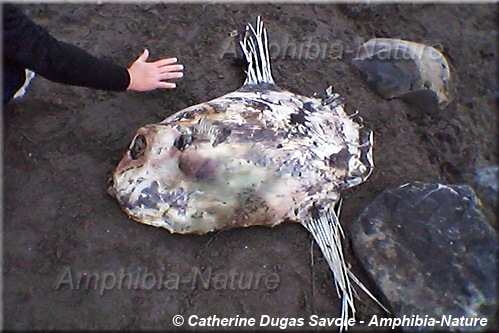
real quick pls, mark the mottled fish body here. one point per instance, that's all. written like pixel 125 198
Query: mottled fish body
pixel 259 155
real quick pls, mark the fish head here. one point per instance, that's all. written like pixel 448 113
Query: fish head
pixel 150 180
pixel 179 176
pixel 151 153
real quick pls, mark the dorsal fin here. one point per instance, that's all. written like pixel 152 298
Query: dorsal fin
pixel 256 51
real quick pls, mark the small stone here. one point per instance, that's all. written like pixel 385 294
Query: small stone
pixel 145 8
pixel 430 251
pixel 396 68
pixel 487 180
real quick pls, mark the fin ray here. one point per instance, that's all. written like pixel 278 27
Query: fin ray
pixel 256 51
pixel 328 233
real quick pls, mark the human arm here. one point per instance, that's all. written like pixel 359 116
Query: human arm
pixel 28 45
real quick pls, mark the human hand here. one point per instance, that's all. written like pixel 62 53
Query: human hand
pixel 145 76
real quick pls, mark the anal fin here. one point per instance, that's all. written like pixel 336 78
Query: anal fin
pixel 325 227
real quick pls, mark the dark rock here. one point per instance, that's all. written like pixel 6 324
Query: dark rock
pixel 396 68
pixel 430 251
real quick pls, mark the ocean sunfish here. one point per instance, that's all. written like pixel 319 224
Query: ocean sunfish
pixel 260 155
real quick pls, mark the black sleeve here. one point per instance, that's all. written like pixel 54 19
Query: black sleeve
pixel 28 45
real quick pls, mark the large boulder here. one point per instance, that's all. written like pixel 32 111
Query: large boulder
pixel 431 252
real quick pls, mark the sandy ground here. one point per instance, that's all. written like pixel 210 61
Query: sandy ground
pixel 61 143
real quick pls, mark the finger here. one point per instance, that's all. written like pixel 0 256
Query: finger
pixel 171 75
pixel 165 62
pixel 143 57
pixel 166 85
pixel 172 68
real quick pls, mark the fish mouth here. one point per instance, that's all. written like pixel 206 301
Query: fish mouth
pixel 112 191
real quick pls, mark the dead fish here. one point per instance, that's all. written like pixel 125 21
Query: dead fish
pixel 260 155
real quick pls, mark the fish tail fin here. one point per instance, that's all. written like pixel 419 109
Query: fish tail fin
pixel 255 47
pixel 327 232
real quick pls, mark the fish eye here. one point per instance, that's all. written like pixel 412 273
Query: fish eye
pixel 182 141
pixel 139 147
